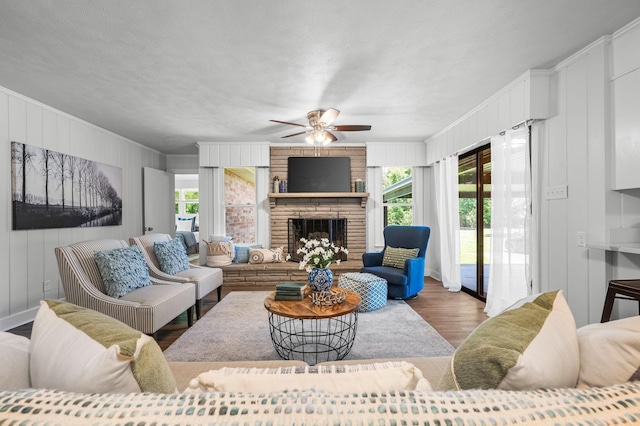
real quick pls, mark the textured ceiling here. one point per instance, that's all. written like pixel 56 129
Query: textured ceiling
pixel 168 73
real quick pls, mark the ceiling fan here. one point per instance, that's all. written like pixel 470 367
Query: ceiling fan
pixel 319 128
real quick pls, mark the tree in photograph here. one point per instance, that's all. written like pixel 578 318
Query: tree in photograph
pixel 23 158
pixel 46 172
pixel 61 164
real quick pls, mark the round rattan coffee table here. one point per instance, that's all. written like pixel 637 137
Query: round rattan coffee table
pixel 303 331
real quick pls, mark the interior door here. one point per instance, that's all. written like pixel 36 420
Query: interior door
pixel 159 202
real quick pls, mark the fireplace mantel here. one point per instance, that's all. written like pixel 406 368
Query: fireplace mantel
pixel 274 196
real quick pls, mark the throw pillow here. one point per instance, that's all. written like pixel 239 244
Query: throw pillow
pixel 186 224
pixel 122 270
pixel 80 350
pixel 609 352
pixel 272 255
pixel 375 377
pixel 395 257
pixel 14 369
pixel 172 256
pixel 529 347
pixel 242 252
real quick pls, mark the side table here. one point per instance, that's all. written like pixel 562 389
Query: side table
pixel 303 331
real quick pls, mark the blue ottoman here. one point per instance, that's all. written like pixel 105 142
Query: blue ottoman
pixel 371 288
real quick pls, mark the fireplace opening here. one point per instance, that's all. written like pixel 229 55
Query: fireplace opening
pixel 335 230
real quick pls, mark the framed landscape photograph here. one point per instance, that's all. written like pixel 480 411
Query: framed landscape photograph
pixel 50 189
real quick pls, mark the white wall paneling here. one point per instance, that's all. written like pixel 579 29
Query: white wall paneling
pixel 525 98
pixel 627 131
pixel 233 154
pixel 27 257
pixel 391 154
pixel 375 219
pixel 5 213
pixel 625 50
pixel 182 164
pixel 263 231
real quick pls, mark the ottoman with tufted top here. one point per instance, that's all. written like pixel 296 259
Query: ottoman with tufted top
pixel 371 288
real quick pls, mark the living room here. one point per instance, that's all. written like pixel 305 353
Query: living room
pixel 578 123
pixel 190 88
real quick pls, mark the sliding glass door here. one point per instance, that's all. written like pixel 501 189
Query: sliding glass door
pixel 474 192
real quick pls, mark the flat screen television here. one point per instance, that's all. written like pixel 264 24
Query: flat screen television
pixel 319 174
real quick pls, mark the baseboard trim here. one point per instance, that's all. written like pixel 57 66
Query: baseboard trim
pixel 21 318
pixel 18 319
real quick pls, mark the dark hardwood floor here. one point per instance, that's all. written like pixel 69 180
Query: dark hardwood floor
pixel 453 314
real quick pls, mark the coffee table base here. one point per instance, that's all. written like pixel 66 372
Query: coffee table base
pixel 313 340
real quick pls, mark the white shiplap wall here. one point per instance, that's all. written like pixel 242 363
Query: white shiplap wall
pixel 574 149
pixel 27 257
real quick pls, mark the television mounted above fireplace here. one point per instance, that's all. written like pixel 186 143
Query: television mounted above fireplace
pixel 319 174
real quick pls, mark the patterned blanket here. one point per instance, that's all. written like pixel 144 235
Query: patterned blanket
pixel 618 404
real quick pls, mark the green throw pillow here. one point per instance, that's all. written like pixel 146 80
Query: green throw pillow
pixel 395 257
pixel 80 350
pixel 533 345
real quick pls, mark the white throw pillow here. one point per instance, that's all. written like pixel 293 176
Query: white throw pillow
pixel 80 350
pixel 531 345
pixel 14 362
pixel 185 224
pixel 609 352
pixel 375 377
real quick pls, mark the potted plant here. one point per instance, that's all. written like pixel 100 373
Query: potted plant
pixel 317 256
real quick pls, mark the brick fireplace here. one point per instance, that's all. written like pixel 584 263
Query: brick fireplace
pixel 334 230
pixel 349 207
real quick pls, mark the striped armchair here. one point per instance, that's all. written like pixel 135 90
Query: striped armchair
pixel 206 279
pixel 146 309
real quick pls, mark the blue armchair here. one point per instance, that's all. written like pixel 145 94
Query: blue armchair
pixel 407 282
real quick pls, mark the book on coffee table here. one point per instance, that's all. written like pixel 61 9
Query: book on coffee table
pixel 290 291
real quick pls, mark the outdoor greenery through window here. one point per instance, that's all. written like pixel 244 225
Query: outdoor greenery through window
pixel 187 201
pixel 397 195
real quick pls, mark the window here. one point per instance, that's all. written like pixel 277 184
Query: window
pixel 187 202
pixel 397 196
pixel 240 204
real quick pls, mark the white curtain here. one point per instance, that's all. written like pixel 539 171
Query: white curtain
pixel 446 191
pixel 509 272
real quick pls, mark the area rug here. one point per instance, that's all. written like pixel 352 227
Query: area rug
pixel 237 329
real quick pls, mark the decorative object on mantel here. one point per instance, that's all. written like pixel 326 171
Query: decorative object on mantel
pixel 359 186
pixel 319 126
pixel 276 184
pixel 317 256
pixel 330 297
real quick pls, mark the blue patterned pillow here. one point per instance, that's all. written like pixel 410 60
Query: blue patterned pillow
pixel 242 252
pixel 122 270
pixel 172 256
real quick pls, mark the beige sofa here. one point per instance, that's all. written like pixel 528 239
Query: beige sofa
pixel 82 367
pixel 619 404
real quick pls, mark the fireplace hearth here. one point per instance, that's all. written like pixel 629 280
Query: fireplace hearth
pixel 335 230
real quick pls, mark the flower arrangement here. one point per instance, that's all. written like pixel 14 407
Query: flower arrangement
pixel 319 253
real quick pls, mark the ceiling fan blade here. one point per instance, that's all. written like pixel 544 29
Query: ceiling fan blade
pixel 291 124
pixel 350 128
pixel 295 134
pixel 329 137
pixel 328 116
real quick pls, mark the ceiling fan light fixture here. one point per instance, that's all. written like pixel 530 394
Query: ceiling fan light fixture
pixel 311 139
